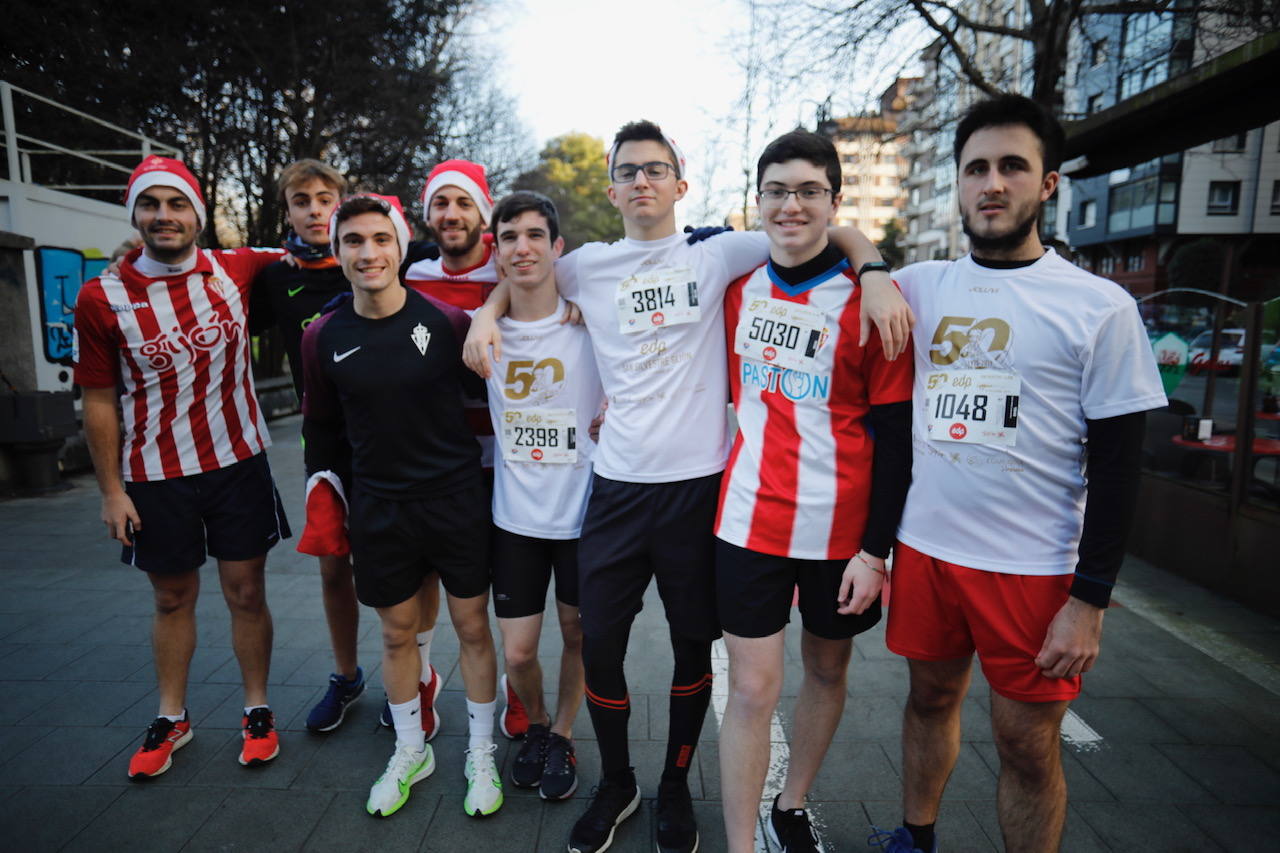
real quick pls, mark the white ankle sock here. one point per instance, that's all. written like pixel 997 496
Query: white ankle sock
pixel 480 722
pixel 424 652
pixel 407 719
pixel 175 718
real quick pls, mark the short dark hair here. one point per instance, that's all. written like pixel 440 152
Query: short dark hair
pixel 355 205
pixel 642 131
pixel 523 201
pixel 801 144
pixel 1007 109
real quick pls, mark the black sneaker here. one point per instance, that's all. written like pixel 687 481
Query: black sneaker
pixel 560 770
pixel 677 828
pixel 612 802
pixel 329 712
pixel 526 770
pixel 791 831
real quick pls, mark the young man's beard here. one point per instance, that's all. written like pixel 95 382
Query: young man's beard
pixel 1008 241
pixel 469 243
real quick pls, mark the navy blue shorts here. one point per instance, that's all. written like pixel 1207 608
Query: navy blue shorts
pixel 637 531
pixel 233 513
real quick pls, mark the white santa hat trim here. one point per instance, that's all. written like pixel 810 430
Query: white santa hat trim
pixel 450 174
pixel 158 171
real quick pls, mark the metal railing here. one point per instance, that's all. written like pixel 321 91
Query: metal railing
pixel 19 148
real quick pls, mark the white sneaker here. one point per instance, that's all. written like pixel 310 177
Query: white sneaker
pixel 484 785
pixel 406 766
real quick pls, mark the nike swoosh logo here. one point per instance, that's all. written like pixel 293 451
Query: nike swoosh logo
pixel 337 358
pixel 295 291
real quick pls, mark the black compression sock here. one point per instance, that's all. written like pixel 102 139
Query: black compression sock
pixel 922 836
pixel 608 702
pixel 690 696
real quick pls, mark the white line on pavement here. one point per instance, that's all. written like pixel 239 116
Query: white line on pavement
pixel 1079 734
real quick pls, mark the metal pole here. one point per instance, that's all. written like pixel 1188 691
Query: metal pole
pixel 10 131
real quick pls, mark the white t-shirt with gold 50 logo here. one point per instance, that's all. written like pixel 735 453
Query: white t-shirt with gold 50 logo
pixel 542 398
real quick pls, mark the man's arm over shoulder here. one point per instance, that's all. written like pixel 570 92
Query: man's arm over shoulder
pixel 246 263
pixel 95 349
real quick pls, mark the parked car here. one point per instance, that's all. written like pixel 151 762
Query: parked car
pixel 1230 351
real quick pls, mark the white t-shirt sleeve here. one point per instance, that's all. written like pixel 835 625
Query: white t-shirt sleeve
pixel 1120 375
pixel 567 276
pixel 742 251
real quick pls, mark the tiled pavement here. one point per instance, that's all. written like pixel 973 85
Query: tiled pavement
pixel 1184 699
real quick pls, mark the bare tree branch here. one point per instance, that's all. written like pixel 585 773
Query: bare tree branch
pixel 948 35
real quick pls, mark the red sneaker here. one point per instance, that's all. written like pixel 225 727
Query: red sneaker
pixel 155 756
pixel 261 743
pixel 514 721
pixel 428 693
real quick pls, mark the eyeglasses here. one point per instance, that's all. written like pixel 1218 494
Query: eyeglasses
pixel 776 195
pixel 654 170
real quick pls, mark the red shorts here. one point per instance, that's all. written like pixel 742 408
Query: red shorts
pixel 941 611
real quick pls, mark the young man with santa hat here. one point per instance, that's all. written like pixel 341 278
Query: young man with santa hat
pixel 457 207
pixel 383 372
pixel 168 334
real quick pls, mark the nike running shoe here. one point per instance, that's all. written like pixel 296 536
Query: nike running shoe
pixel 328 713
pixel 612 802
pixel 163 738
pixel 428 693
pixel 791 832
pixel 526 770
pixel 406 767
pixel 514 721
pixel 898 841
pixel 484 785
pixel 384 719
pixel 677 828
pixel 261 743
pixel 560 770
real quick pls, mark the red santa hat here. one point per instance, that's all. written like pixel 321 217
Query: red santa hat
pixel 466 176
pixel 675 149
pixel 156 171
pixel 388 204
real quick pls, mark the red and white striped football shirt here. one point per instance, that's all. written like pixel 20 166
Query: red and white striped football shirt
pixel 798 482
pixel 178 347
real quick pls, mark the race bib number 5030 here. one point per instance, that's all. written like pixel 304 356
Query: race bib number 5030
pixel 775 331
pixel 663 297
pixel 972 406
pixel 539 435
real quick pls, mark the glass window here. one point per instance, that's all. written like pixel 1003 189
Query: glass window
pixel 1088 214
pixel 1132 205
pixel 1094 104
pixel 1275 198
pixel 1224 198
pixel 1098 52
pixel 1231 143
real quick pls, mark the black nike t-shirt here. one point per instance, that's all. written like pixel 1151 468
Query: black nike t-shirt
pixel 395 383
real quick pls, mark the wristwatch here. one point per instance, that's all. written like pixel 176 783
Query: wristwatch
pixel 874 266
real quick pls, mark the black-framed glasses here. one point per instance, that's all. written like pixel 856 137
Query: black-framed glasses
pixel 778 195
pixel 654 170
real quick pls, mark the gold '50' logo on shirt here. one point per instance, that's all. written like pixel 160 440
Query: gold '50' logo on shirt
pixel 967 343
pixel 526 377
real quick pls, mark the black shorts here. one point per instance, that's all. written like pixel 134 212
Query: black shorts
pixel 754 593
pixel 635 531
pixel 396 544
pixel 233 513
pixel 522 569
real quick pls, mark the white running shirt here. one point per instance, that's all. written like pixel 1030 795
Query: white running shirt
pixel 665 379
pixel 1075 347
pixel 546 366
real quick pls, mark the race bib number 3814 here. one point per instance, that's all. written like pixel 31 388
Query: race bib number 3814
pixel 973 406
pixel 663 297
pixel 539 435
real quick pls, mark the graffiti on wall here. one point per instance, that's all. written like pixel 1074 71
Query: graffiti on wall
pixel 60 274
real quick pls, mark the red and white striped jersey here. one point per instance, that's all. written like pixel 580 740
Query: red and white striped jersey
pixel 466 289
pixel 178 348
pixel 798 481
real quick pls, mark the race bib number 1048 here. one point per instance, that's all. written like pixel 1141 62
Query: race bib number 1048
pixel 663 297
pixel 973 406
pixel 539 435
